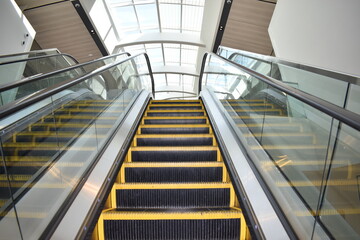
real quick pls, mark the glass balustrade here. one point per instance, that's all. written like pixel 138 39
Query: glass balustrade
pixel 15 90
pixel 46 154
pixel 308 159
pixel 330 86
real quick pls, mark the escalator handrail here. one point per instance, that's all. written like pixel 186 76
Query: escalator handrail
pixel 23 81
pixel 273 60
pixel 30 52
pixel 39 57
pixel 41 95
pixel 349 118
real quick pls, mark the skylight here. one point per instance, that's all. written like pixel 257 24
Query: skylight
pixel 139 17
pixel 142 16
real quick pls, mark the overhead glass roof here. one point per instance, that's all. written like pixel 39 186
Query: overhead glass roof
pixel 139 17
pixel 144 16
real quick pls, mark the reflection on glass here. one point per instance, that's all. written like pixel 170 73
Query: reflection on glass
pixel 340 209
pixel 47 152
pixel 296 148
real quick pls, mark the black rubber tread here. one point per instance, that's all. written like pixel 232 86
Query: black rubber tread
pixel 175 107
pixel 174 114
pixel 173 174
pixel 174 156
pixel 187 130
pixel 173 198
pixel 215 229
pixel 175 121
pixel 176 102
pixel 201 141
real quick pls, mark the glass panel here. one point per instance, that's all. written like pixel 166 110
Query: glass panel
pixel 170 16
pixel 353 99
pixel 147 15
pixel 286 139
pixel 47 152
pixel 125 20
pixel 9 227
pixel 188 55
pixel 340 211
pixel 28 88
pixel 11 72
pixel 192 18
pixel 173 79
pixel 172 54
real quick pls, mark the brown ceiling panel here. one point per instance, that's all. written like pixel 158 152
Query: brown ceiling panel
pixel 247 25
pixel 60 26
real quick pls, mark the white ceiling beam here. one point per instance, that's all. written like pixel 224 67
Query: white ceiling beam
pixel 163 37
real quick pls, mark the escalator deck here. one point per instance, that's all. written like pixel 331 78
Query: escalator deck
pixel 173 183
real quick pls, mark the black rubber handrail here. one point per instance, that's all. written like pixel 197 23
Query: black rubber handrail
pixel 39 57
pixel 350 118
pixel 31 52
pixel 23 81
pixel 273 60
pixel 41 95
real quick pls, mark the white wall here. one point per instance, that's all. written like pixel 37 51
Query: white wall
pixel 321 33
pixel 13 29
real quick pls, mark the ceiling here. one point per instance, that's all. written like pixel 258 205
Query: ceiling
pixel 58 25
pixel 247 26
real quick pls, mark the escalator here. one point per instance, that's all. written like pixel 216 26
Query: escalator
pixel 173 183
pixel 33 148
pixel 97 155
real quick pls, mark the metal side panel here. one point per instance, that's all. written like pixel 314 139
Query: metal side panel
pixel 269 225
pixel 72 223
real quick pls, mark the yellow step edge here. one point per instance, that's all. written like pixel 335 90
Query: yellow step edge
pixel 175 136
pixel 176 105
pixel 242 100
pixel 175 110
pixel 172 164
pixel 271 125
pixel 30 159
pixel 37 185
pixel 244 104
pixel 59 134
pixel 210 185
pixel 15 177
pixel 232 213
pixel 261 116
pixel 173 117
pixel 258 110
pixel 295 162
pixel 197 148
pixel 195 100
pixel 173 125
pixel 41 164
pixel 23 214
pixel 318 183
pixel 69 125
pixel 80 117
pixel 292 147
pixel 273 134
pixel 45 146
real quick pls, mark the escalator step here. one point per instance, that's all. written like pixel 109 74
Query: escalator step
pixel 196 224
pixel 165 114
pixel 176 102
pixel 175 121
pixel 175 130
pixel 173 155
pixel 175 141
pixel 173 174
pixel 172 198
pixel 175 107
